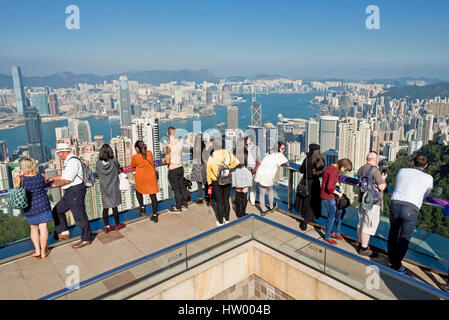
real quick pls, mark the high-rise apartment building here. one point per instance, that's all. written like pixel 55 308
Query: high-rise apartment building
pixel 428 128
pixel 53 105
pixel 293 150
pixel 347 130
pixel 19 92
pixel 98 141
pixel 73 127
pixel 362 145
pixel 147 130
pixel 122 148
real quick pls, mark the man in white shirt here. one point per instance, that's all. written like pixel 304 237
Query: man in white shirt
pixel 71 181
pixel 412 187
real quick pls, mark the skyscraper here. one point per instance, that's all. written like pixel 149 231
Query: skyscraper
pixel 62 132
pixel 34 134
pixel 293 150
pixel 312 133
pixel 19 93
pixel 232 117
pixel 147 130
pixel 328 133
pixel 256 113
pixel 53 104
pixel 84 133
pixel 362 145
pixel 330 156
pixel 347 128
pixel 208 97
pixel 428 128
pixel 39 100
pixel 73 127
pixel 3 151
pixel 122 147
pixel 125 102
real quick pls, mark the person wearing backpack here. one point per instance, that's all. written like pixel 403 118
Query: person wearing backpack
pixel 371 184
pixel 71 181
pixel 145 178
pixel 219 177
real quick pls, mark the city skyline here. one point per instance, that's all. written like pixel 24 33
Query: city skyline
pixel 291 38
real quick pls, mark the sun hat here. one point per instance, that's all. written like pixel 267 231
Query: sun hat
pixel 63 147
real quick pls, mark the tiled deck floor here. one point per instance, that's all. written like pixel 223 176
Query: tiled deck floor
pixel 28 278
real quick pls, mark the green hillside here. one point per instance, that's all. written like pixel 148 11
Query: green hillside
pixel 430 219
pixel 416 92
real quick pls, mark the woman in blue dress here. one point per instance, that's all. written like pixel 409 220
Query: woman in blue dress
pixel 38 212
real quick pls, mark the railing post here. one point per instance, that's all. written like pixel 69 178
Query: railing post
pixel 290 183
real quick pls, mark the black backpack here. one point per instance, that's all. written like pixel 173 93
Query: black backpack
pixel 224 176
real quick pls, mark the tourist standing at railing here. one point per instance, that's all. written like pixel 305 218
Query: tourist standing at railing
pixel 242 177
pixel 108 170
pixel 199 165
pixel 369 213
pixel 412 187
pixel 221 157
pixel 38 212
pixel 309 207
pixel 267 174
pixel 255 153
pixel 327 193
pixel 71 182
pixel 176 173
pixel 145 178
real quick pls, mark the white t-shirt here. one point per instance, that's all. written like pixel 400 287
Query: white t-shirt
pixel 73 171
pixel 268 168
pixel 412 185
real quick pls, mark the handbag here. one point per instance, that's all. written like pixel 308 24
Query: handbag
pixel 302 189
pixel 18 198
pixel 157 172
pixel 123 182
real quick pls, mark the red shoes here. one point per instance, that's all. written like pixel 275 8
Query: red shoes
pixel 330 241
pixel 114 228
pixel 107 229
pixel 119 226
pixel 336 236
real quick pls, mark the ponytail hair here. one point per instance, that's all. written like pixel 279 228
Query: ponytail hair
pixel 142 148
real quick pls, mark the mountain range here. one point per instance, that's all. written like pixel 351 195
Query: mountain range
pixel 68 79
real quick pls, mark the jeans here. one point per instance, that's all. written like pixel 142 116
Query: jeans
pixel 73 200
pixel 176 179
pixel 334 218
pixel 403 217
pixel 222 194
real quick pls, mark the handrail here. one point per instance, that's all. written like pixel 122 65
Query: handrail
pixel 145 258
pixel 431 201
pixel 394 274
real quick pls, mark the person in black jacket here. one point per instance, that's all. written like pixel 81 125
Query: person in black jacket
pixel 312 167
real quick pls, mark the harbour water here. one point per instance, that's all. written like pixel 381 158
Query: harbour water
pixel 289 105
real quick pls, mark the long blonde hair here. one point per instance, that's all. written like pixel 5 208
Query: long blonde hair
pixel 28 166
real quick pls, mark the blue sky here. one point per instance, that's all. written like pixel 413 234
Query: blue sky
pixel 303 39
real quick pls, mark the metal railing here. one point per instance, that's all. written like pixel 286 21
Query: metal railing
pixel 348 268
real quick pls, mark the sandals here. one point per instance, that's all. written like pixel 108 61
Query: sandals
pixel 47 252
pixel 36 256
